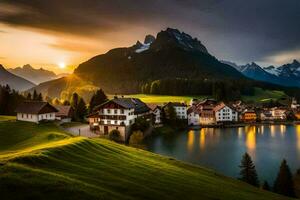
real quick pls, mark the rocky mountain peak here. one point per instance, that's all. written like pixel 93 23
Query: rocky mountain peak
pixel 27 66
pixel 174 38
pixel 149 39
pixel 295 62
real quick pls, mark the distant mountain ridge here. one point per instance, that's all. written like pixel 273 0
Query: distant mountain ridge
pixel 34 75
pixel 14 81
pixel 286 75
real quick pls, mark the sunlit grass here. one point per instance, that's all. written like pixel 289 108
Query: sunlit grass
pixel 44 162
pixel 7 118
pixel 159 99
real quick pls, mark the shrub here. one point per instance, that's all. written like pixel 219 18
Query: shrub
pixel 136 138
pixel 115 135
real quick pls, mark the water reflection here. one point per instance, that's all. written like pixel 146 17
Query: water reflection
pixel 282 130
pixel 222 149
pixel 251 140
pixel 202 138
pixel 272 129
pixel 191 139
pixel 298 136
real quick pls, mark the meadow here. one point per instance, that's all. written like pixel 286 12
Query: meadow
pixel 43 162
pixel 260 96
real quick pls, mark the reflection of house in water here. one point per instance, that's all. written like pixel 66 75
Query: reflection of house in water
pixel 251 139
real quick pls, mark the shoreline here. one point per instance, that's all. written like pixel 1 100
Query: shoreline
pixel 244 124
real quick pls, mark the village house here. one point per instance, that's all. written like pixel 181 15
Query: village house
pixel 180 109
pixel 224 113
pixel 294 104
pixel 157 113
pixel 266 115
pixel 193 116
pixel 278 113
pixel 118 114
pixel 249 116
pixel 64 114
pixel 35 111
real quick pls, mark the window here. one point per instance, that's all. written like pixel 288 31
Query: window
pixel 108 121
pixel 108 111
pixel 122 111
pixel 116 111
pixel 116 122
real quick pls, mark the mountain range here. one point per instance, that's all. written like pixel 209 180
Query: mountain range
pixel 15 82
pixel 170 55
pixel 286 75
pixel 36 76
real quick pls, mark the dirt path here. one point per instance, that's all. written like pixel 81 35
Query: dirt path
pixel 81 130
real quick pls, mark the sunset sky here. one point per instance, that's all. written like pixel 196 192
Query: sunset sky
pixel 59 35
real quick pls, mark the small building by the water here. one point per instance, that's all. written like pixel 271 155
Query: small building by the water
pixel 224 113
pixel 249 116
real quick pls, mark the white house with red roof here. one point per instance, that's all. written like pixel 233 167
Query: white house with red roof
pixel 224 113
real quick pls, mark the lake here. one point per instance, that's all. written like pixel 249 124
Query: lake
pixel 222 148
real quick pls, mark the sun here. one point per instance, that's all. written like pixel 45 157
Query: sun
pixel 62 65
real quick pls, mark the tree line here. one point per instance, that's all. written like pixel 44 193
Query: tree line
pixel 219 89
pixel 81 109
pixel 225 89
pixel 283 184
pixel 9 100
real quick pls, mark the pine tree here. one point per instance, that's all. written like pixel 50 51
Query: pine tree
pixel 29 97
pixel 66 103
pixel 40 97
pixel 266 186
pixel 98 98
pixel 284 183
pixel 170 114
pixel 35 96
pixel 81 109
pixel 248 172
pixel 74 100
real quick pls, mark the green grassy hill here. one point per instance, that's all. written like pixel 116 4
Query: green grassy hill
pixel 259 96
pixel 43 162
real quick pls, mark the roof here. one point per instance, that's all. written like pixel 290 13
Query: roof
pixel 219 106
pixel 35 107
pixel 153 106
pixel 249 111
pixel 129 103
pixel 177 104
pixel 208 102
pixel 63 110
pixel 193 109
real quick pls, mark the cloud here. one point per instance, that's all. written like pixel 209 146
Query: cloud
pixel 79 47
pixel 237 30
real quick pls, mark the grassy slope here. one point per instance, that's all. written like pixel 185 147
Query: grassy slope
pixel 45 163
pixel 264 95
